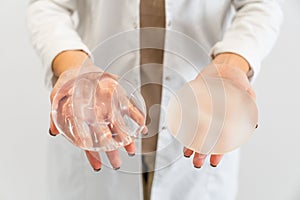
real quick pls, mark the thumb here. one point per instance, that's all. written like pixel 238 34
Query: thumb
pixel 251 92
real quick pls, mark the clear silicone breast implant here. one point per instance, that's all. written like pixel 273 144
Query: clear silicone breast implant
pixel 95 112
pixel 211 115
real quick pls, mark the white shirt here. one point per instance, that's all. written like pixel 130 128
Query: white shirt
pixel 196 30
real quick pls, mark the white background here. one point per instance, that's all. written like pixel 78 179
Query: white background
pixel 270 162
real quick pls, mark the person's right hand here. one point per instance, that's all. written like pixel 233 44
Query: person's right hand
pixel 101 111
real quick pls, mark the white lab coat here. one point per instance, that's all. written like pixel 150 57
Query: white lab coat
pixel 246 27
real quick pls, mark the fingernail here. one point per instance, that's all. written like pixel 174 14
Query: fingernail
pixel 51 133
pixel 117 168
pixel 97 170
pixel 145 131
pixel 213 165
pixel 131 154
pixel 256 126
pixel 186 156
pixel 197 167
pixel 145 134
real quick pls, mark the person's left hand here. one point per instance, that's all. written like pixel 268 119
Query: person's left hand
pixel 227 66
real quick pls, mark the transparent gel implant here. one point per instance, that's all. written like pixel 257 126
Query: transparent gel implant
pixel 211 115
pixel 96 111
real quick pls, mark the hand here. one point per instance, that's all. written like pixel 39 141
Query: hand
pixel 227 66
pixel 101 112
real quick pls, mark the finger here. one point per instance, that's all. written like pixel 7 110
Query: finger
pixel 119 131
pixel 105 133
pixel 238 77
pixel 243 83
pixel 72 133
pixel 114 159
pixel 102 136
pixel 187 152
pixel 61 91
pixel 132 111
pixel 215 160
pixel 198 160
pixel 145 130
pixel 137 116
pixel 63 85
pixel 130 148
pixel 122 136
pixel 94 159
pixel 251 92
pixel 52 130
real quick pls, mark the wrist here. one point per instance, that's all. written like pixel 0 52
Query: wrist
pixel 69 60
pixel 233 60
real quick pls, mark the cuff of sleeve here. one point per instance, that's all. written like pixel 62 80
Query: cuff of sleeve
pixel 49 56
pixel 229 47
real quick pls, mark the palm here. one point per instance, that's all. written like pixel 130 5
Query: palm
pixel 90 109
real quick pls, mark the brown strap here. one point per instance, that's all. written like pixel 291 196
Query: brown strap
pixel 152 14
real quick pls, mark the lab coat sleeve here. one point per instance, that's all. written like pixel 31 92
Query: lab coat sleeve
pixel 252 32
pixel 52 31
